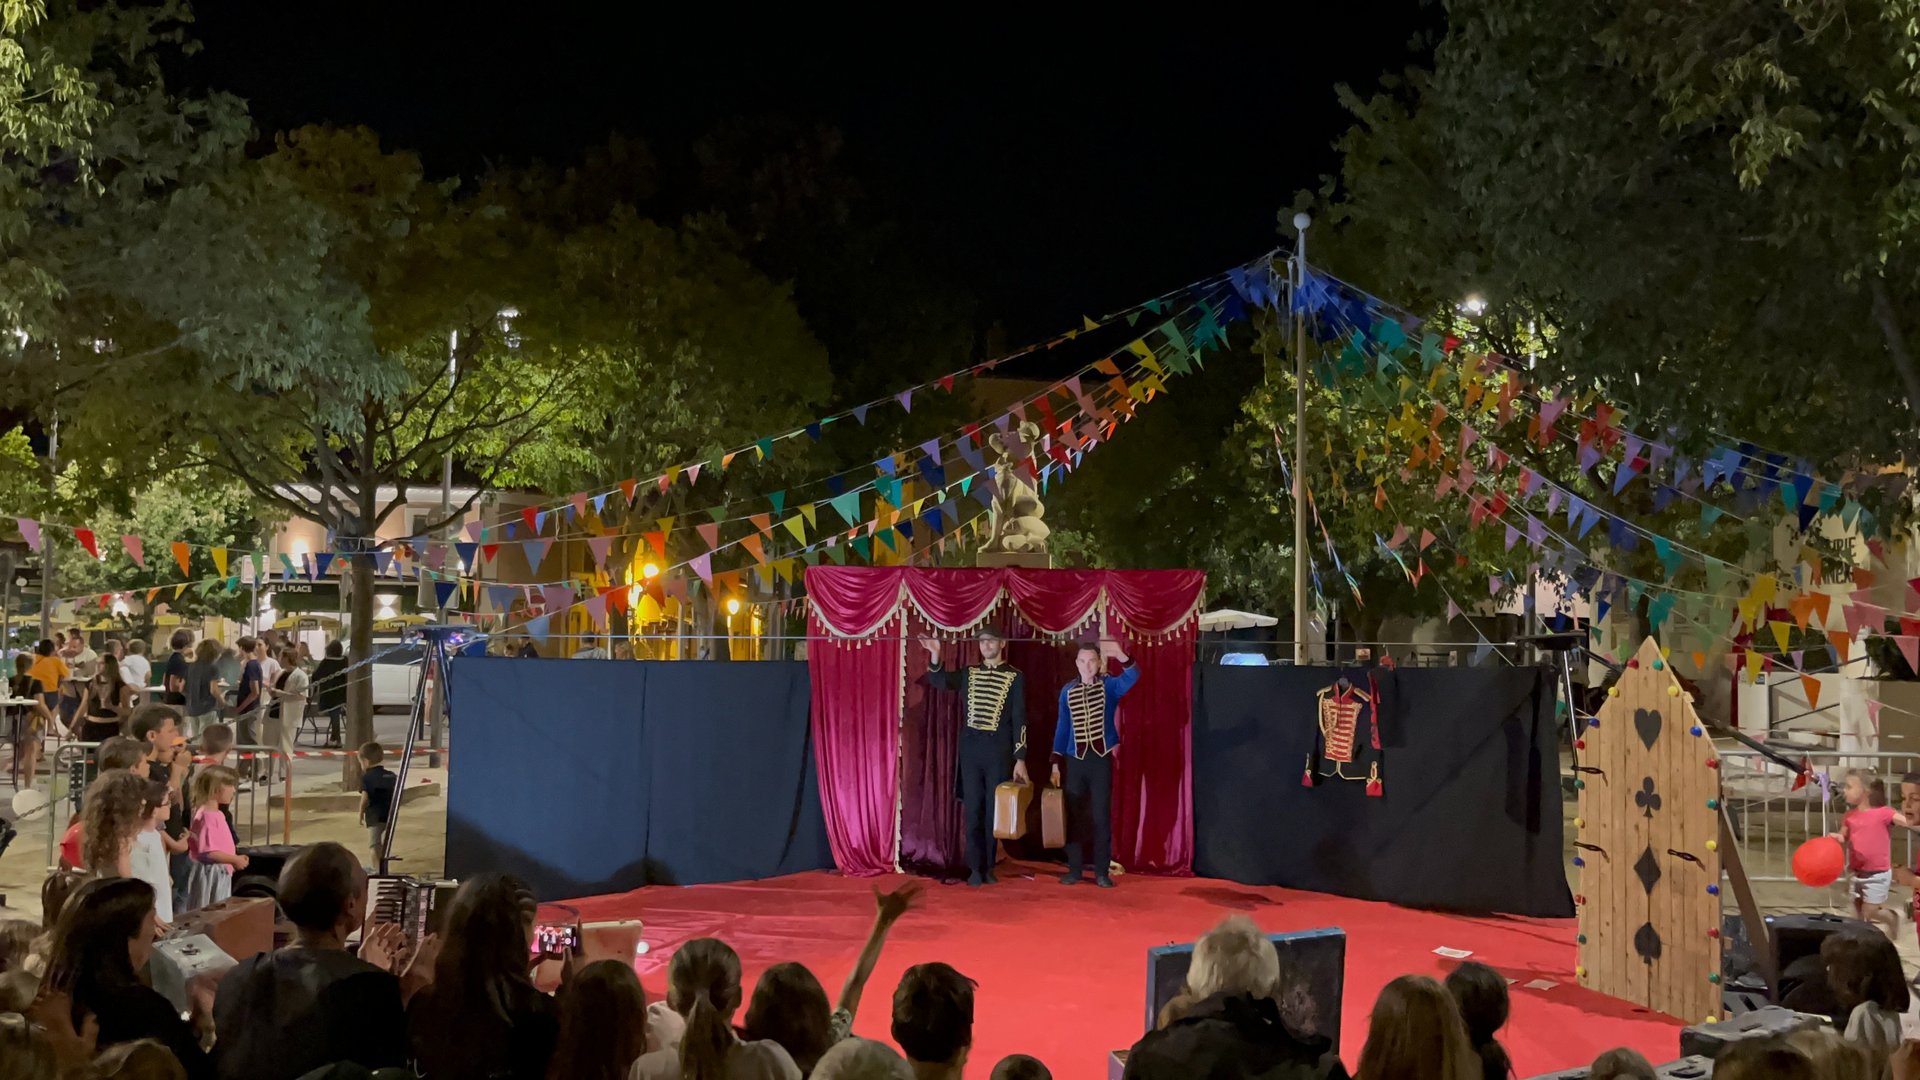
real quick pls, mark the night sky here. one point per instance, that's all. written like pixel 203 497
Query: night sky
pixel 1048 171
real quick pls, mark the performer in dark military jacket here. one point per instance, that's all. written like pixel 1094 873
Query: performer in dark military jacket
pixel 1084 739
pixel 993 740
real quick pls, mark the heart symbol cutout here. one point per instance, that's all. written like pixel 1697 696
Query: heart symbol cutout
pixel 1647 723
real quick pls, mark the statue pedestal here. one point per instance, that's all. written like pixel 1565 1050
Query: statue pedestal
pixel 1032 560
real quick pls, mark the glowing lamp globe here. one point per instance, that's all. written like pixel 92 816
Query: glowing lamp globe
pixel 1818 862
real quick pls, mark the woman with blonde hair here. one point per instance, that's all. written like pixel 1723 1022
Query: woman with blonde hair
pixel 1416 1033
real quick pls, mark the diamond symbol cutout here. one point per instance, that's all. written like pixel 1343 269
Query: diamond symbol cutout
pixel 1647 869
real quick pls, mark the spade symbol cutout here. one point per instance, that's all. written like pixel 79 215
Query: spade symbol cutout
pixel 1646 942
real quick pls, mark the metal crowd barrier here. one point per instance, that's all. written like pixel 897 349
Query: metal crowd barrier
pixel 73 769
pixel 1771 816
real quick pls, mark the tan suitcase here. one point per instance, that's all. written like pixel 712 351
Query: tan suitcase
pixel 1011 801
pixel 1053 818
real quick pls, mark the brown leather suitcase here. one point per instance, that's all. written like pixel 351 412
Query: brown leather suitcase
pixel 1053 818
pixel 1011 801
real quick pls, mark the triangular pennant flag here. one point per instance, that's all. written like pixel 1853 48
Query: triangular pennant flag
pixel 537 629
pixel 797 527
pixel 321 561
pixel 709 533
pixel 754 548
pixel 579 501
pixel 905 398
pixel 532 516
pixel 693 473
pixel 1812 687
pixel 219 560
pixel 847 506
pixel 600 547
pixel 666 526
pixel 1909 648
pixel 657 540
pixel 443 593
pixel 703 565
pixel 92 545
pixel 30 532
pixel 134 549
pixel 536 552
pixel 467 552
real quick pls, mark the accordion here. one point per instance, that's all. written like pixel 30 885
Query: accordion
pixel 413 904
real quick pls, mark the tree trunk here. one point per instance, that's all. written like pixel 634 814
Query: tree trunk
pixel 1895 334
pixel 359 679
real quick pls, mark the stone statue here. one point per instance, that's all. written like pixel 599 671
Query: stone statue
pixel 1017 525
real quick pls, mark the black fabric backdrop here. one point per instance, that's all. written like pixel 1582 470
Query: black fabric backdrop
pixel 588 777
pixel 1470 819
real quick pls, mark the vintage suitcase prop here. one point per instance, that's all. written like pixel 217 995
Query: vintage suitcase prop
pixel 1053 818
pixel 1011 801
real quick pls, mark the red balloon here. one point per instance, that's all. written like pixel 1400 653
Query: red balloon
pixel 1819 861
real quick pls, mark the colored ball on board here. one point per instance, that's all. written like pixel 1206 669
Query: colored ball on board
pixel 1713 804
pixel 1712 1019
pixel 1818 862
pixel 1673 691
pixel 1613 691
pixel 1713 890
pixel 1713 845
pixel 1659 665
pixel 1579 823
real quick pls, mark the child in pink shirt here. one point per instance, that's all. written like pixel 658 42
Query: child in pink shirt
pixel 210 839
pixel 1868 832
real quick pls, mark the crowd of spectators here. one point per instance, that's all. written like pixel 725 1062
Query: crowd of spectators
pixel 76 999
pixel 74 1002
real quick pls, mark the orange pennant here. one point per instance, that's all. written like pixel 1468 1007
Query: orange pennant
pixel 1812 686
pixel 1842 643
pixel 180 556
pixel 629 488
pixel 754 548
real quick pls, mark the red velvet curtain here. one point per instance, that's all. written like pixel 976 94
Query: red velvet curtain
pixel 885 745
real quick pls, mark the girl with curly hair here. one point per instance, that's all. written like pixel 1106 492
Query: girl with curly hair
pixel 115 812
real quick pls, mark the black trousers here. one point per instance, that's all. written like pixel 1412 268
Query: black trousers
pixel 1089 796
pixel 985 764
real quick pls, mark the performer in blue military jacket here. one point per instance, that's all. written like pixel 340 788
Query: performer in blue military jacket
pixel 993 740
pixel 1084 740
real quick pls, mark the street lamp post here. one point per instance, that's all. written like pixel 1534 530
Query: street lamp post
pixel 1300 652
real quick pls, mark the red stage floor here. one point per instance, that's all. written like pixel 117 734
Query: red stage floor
pixel 1062 971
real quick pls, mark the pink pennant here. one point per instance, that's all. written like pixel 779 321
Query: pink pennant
pixel 597 611
pixel 1909 648
pixel 1467 436
pixel 693 473
pixel 703 565
pixel 1426 539
pixel 29 531
pixel 1399 536
pixel 1873 713
pixel 601 547
pixel 579 501
pixel 475 530
pixel 710 533
pixel 135 550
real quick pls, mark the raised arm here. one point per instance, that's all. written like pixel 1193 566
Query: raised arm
pixel 888 907
pixel 938 677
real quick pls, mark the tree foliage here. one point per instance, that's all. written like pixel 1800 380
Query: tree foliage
pixel 1540 165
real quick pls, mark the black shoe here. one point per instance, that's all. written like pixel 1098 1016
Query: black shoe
pixel 1071 878
pixel 974 879
pixel 1103 881
pixel 991 879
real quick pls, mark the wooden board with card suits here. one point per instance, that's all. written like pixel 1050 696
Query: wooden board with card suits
pixel 1646 845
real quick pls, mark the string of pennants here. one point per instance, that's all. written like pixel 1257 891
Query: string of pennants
pixel 1209 328
pixel 1189 321
pixel 1368 346
pixel 1091 415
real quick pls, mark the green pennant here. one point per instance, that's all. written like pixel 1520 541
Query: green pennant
pixel 718 514
pixel 863 546
pixel 765 446
pixel 259 565
pixel 779 501
pixel 847 505
pixel 886 537
pixel 838 553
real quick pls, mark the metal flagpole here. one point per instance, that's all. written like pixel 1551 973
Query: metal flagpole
pixel 1300 651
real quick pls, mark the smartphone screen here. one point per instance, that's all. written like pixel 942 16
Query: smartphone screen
pixel 555 942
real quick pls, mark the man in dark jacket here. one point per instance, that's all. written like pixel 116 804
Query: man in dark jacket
pixel 1233 1037
pixel 279 1015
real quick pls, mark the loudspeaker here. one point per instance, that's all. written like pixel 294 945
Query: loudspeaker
pixel 1316 958
pixel 1795 936
pixel 1710 1040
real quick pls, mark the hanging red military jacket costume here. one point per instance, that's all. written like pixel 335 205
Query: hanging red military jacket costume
pixel 1346 735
